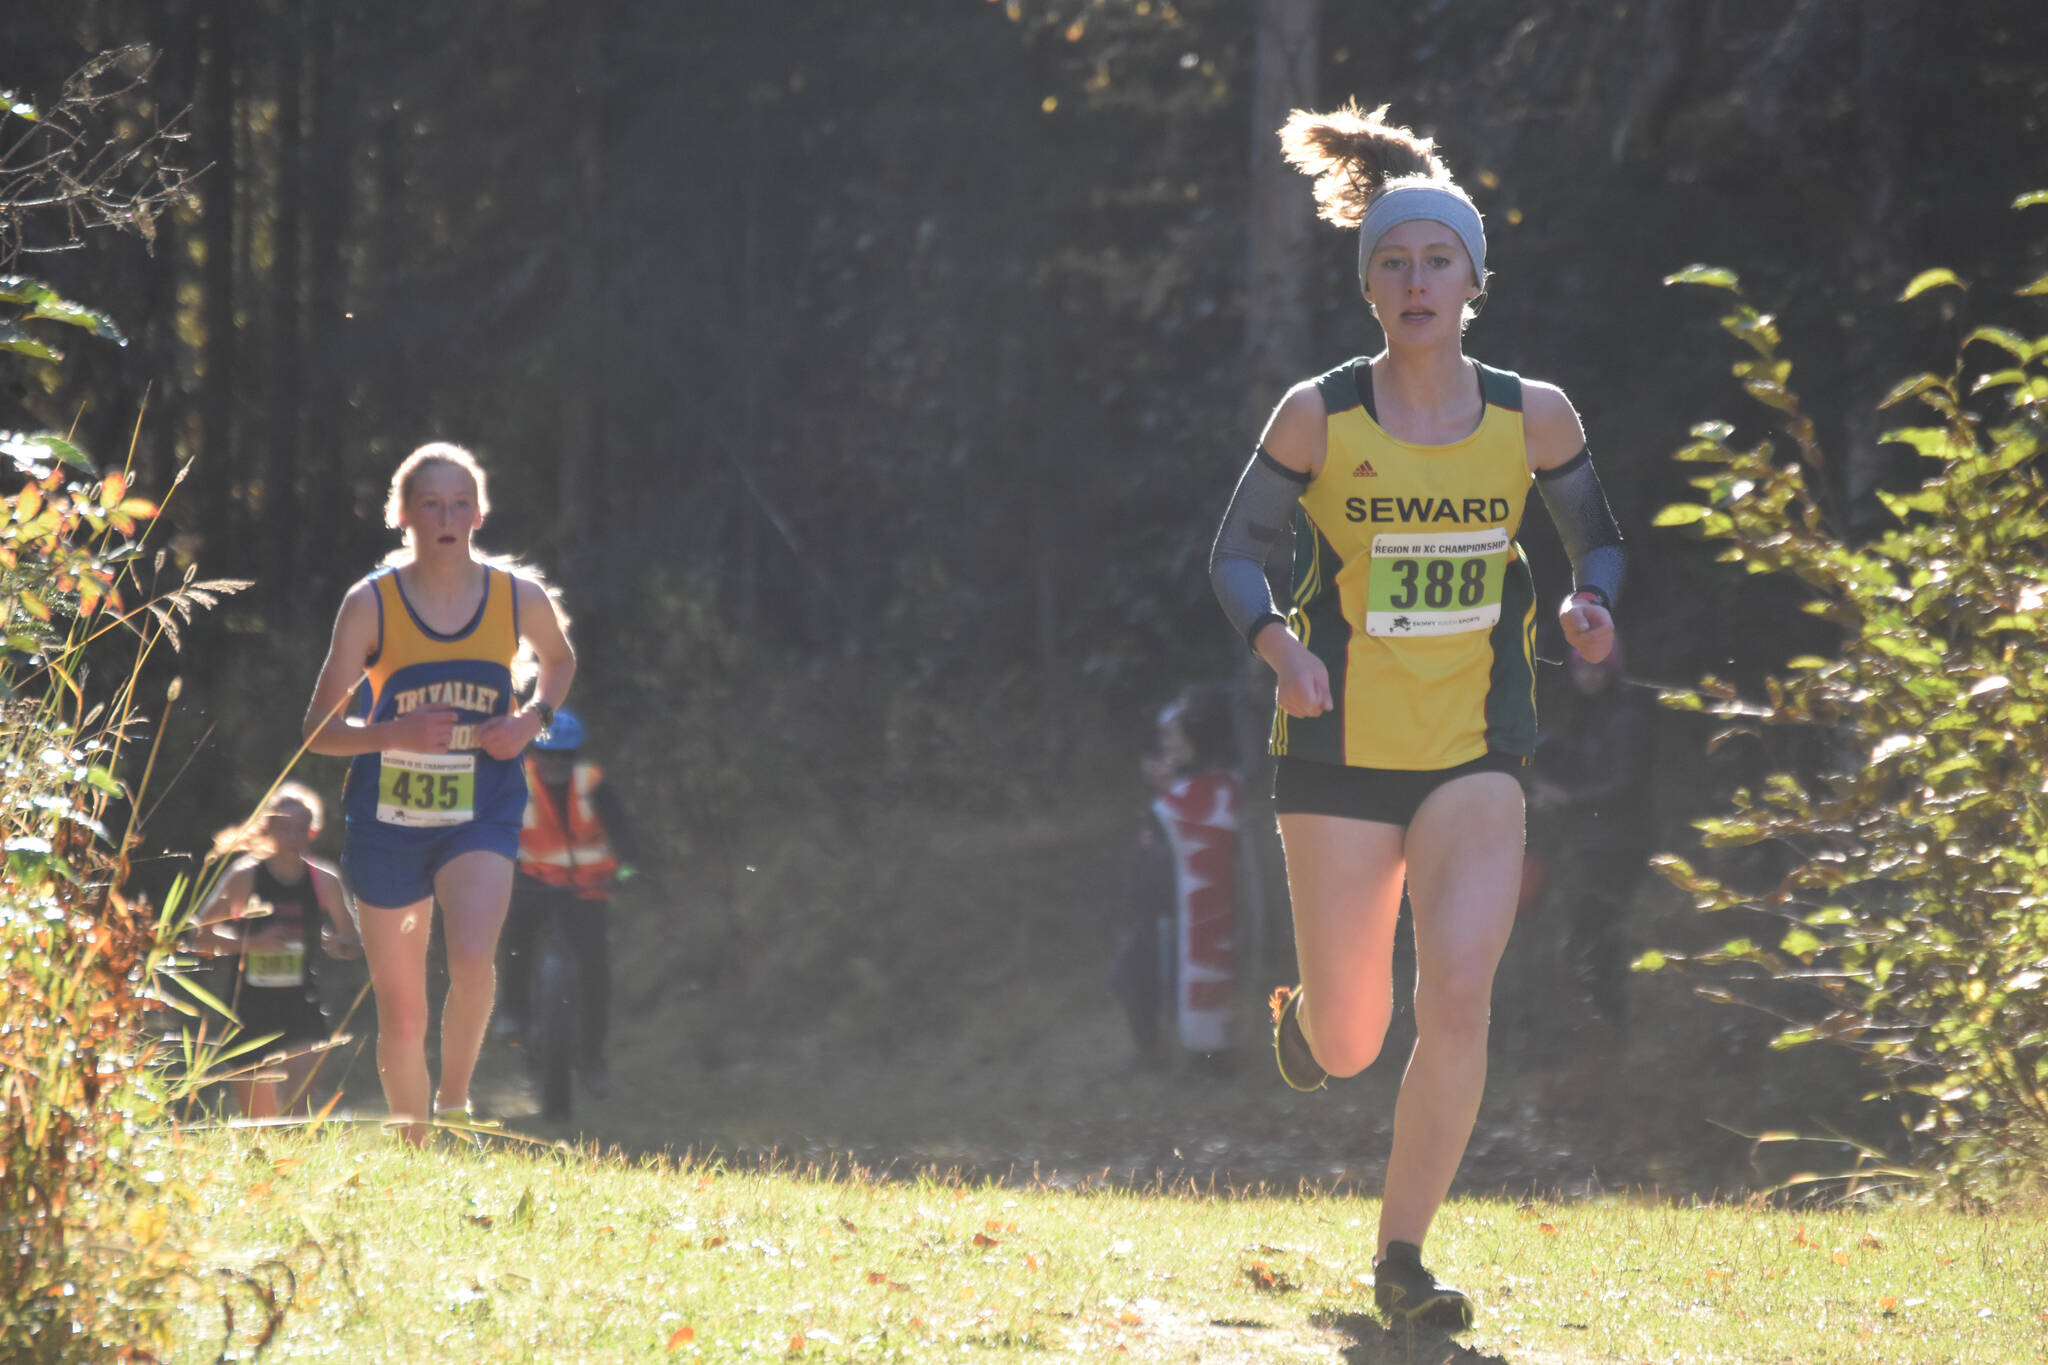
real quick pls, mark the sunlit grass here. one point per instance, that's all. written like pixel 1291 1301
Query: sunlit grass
pixel 536 1254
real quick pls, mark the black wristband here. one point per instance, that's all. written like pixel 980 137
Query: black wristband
pixel 547 713
pixel 1251 637
pixel 1597 593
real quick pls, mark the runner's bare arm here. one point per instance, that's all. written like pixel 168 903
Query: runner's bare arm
pixel 215 927
pixel 329 730
pixel 338 937
pixel 1550 425
pixel 540 629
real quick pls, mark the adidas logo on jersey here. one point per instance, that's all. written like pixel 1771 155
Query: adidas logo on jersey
pixel 1365 471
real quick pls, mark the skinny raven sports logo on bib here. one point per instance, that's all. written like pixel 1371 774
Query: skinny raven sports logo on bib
pixel 1435 584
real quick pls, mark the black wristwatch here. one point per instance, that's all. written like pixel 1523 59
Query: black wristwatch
pixel 547 713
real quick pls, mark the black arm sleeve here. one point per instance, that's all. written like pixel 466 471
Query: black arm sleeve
pixel 1260 513
pixel 1586 525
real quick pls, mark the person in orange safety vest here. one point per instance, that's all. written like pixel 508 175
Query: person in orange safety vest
pixel 575 850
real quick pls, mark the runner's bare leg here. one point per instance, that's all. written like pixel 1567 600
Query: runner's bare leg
pixel 1464 866
pixel 395 947
pixel 474 889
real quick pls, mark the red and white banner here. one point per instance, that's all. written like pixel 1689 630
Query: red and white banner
pixel 1200 817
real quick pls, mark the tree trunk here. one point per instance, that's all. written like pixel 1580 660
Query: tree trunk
pixel 1879 250
pixel 1278 319
pixel 177 31
pixel 323 439
pixel 282 457
pixel 213 474
pixel 1670 37
pixel 753 331
pixel 578 473
pixel 397 411
pixel 1276 312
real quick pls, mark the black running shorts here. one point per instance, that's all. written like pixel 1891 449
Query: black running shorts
pixel 1390 796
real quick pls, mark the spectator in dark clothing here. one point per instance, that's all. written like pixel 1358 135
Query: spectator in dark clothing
pixel 1177 955
pixel 1590 791
pixel 1136 972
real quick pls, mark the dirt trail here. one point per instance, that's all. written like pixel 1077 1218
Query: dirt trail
pixel 1572 1105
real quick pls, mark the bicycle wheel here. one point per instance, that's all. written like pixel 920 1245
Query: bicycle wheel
pixel 555 1014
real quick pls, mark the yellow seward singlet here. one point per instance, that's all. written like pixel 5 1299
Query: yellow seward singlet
pixel 1409 586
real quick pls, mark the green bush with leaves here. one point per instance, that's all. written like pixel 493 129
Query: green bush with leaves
pixel 1915 908
pixel 89 1267
pixel 82 1249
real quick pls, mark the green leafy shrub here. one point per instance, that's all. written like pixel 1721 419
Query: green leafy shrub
pixel 75 1212
pixel 1914 912
pixel 90 1269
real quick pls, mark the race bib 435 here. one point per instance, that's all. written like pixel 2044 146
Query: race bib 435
pixel 421 791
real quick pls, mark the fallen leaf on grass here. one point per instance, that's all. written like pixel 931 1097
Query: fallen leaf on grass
pixel 482 1220
pixel 796 1344
pixel 1547 1229
pixel 681 1336
pixel 1130 1319
pixel 982 1239
pixel 1888 1303
pixel 876 1277
pixel 847 1223
pixel 1267 1280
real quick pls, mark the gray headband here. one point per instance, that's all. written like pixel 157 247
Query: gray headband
pixel 1439 203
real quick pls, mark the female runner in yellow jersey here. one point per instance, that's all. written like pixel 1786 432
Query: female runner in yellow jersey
pixel 1405 666
pixel 425 647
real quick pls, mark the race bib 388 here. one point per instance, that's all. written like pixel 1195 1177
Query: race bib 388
pixel 1435 583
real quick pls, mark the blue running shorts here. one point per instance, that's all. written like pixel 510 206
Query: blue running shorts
pixel 389 872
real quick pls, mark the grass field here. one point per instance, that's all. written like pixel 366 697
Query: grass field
pixel 528 1253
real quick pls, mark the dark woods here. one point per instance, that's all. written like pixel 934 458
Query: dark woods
pixel 871 375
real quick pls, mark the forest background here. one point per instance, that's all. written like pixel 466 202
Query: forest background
pixel 871 376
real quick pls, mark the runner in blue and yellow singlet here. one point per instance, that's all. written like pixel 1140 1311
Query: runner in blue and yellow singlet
pixel 1406 687
pixel 424 648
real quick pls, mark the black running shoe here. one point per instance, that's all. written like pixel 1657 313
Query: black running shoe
pixel 1298 1065
pixel 1406 1292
